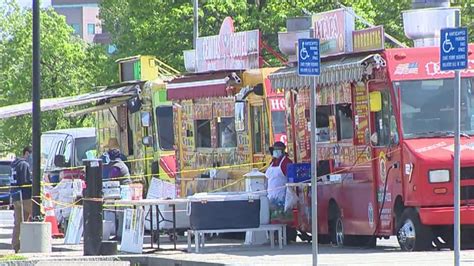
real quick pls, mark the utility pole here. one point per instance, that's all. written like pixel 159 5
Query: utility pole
pixel 36 123
pixel 196 22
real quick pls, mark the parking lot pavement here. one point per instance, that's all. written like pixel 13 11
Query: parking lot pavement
pixel 232 252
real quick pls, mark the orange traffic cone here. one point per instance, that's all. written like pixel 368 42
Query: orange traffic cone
pixel 51 217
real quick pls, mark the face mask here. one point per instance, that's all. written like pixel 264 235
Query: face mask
pixel 277 154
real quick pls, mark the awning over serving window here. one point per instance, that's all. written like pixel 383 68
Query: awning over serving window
pixel 200 85
pixel 121 90
pixel 346 69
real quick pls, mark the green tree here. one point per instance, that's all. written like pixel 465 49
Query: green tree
pixel 165 28
pixel 68 67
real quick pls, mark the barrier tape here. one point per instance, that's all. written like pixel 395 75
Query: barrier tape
pixel 342 170
pixel 139 176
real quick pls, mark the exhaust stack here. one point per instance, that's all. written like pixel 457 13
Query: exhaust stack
pixel 423 22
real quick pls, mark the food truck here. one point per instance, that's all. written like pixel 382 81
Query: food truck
pixel 221 134
pixel 139 118
pixel 384 125
pixel 226 113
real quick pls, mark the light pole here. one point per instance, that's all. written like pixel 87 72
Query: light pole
pixel 36 123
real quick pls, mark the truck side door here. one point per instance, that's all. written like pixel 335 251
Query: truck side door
pixel 386 154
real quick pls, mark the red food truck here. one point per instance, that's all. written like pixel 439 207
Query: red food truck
pixel 384 142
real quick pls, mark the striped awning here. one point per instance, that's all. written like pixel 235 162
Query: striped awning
pixel 332 72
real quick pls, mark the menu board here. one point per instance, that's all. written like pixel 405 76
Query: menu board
pixel 343 93
pixel 224 107
pixel 203 109
pixel 361 108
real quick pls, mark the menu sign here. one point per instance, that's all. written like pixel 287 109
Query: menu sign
pixel 361 103
pixel 368 39
pixel 334 30
pixel 228 50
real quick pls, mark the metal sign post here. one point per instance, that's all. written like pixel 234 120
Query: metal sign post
pixel 309 62
pixel 453 56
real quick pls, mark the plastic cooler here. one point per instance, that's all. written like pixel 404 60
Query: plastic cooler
pixel 229 210
pixel 299 172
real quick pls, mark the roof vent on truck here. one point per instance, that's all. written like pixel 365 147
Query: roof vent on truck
pixel 423 23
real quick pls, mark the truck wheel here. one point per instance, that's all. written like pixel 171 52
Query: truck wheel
pixel 412 235
pixel 337 231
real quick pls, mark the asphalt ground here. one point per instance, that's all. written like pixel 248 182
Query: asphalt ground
pixel 233 252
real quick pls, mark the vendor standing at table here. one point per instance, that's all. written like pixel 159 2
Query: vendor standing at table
pixel 276 174
pixel 277 179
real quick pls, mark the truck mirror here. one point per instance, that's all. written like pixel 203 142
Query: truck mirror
pixel 146 119
pixel 375 101
pixel 147 141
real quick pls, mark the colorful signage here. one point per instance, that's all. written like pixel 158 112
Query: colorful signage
pixel 334 30
pixel 371 39
pixel 361 107
pixel 227 51
pixel 422 63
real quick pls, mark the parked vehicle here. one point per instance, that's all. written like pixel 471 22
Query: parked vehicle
pixel 5 176
pixel 384 122
pixel 65 149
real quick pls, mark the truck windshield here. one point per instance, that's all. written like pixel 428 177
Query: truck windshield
pixel 428 107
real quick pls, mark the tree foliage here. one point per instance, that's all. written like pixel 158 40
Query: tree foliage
pixel 68 67
pixel 165 28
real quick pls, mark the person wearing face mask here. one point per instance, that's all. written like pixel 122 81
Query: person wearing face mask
pixel 21 193
pixel 276 175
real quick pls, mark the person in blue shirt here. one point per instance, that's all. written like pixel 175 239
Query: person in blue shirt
pixel 21 193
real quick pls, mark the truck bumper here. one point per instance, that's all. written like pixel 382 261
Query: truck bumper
pixel 445 215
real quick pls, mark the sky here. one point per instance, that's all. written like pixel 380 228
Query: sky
pixel 28 3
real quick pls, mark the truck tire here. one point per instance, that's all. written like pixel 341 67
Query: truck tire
pixel 412 235
pixel 336 231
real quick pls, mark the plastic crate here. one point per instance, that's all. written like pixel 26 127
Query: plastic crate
pixel 299 172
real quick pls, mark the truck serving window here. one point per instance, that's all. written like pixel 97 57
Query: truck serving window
pixel 345 128
pixel 227 137
pixel 203 136
pixel 322 122
pixel 427 107
pixel 164 117
pixel 256 116
pixel 278 121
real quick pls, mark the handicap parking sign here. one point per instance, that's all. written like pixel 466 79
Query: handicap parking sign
pixel 454 47
pixel 309 60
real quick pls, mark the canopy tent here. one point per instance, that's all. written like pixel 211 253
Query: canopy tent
pixel 124 91
pixel 212 84
pixel 345 69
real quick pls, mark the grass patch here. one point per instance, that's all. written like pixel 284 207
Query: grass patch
pixel 11 257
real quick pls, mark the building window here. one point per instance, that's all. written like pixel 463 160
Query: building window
pixel 76 28
pixel 91 29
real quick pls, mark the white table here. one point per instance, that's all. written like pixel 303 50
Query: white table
pixel 199 239
pixel 159 216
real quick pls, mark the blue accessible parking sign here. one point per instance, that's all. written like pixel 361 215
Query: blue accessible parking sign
pixel 309 60
pixel 453 49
